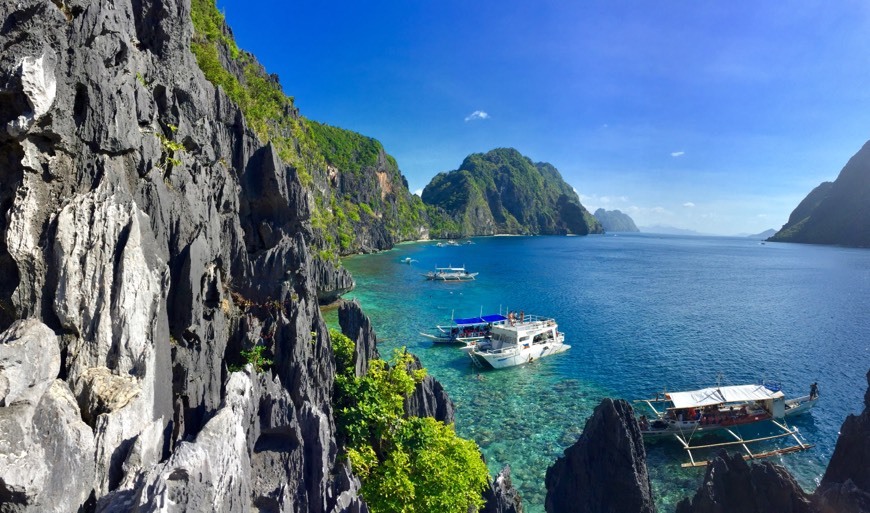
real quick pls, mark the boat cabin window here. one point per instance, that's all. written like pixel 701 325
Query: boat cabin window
pixel 523 339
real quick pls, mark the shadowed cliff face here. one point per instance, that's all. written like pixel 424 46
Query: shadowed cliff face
pixel 148 236
pixel 835 212
pixel 605 470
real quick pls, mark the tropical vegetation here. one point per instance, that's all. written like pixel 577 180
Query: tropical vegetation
pixel 406 464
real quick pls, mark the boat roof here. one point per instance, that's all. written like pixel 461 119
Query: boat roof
pixel 486 319
pixel 719 395
pixel 450 268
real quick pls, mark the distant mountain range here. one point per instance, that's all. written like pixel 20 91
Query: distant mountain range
pixel 763 235
pixel 835 212
pixel 504 192
pixel 615 221
pixel 668 230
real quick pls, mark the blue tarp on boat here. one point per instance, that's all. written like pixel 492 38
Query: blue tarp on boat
pixel 486 319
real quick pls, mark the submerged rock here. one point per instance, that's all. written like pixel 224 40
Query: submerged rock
pixel 605 470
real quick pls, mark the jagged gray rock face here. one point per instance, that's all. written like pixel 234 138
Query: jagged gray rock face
pixel 357 327
pixel 732 484
pixel 44 441
pixel 429 398
pixel 605 470
pixel 145 269
pixel 845 486
pixel 502 497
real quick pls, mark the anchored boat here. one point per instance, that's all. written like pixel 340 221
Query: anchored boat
pixel 450 274
pixel 521 339
pixel 465 331
pixel 723 409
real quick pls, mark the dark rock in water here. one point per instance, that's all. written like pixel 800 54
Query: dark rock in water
pixel 732 484
pixel 501 496
pixel 357 327
pixel 845 486
pixel 429 398
pixel 605 470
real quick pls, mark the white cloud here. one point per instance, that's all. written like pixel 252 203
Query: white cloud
pixel 688 204
pixel 476 115
pixel 677 153
pixel 419 192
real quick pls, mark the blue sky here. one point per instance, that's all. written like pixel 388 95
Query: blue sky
pixel 713 116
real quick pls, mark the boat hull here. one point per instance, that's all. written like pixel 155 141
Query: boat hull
pixel 793 407
pixel 448 340
pixel 512 357
pixel 444 277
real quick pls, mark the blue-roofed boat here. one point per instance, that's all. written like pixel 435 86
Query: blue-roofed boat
pixel 466 331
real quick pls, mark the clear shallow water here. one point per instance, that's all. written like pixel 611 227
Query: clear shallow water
pixel 642 313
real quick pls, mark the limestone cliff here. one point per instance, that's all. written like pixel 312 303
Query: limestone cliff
pixel 605 470
pixel 835 212
pixel 148 236
pixel 615 221
pixel 504 192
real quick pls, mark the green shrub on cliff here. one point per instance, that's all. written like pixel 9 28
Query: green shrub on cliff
pixel 405 464
pixel 268 111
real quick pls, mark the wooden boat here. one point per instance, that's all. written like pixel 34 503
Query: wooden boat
pixel 722 410
pixel 450 274
pixel 518 341
pixel 467 330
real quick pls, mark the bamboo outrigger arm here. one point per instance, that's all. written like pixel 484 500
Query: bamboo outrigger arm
pixel 740 441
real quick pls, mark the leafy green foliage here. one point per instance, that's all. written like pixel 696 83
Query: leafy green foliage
pixel 504 189
pixel 255 357
pixel 405 464
pixel 344 149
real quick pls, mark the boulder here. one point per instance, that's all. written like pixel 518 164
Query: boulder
pixel 46 451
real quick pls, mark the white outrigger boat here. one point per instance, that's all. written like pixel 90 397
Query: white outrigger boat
pixel 466 331
pixel 517 341
pixel 450 274
pixel 723 409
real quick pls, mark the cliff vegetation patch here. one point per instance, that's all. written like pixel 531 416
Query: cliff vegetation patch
pixel 415 464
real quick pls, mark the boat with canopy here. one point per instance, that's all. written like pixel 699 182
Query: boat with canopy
pixel 722 410
pixel 522 339
pixel 450 274
pixel 465 331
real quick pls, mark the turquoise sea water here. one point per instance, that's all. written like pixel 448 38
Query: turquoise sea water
pixel 643 313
